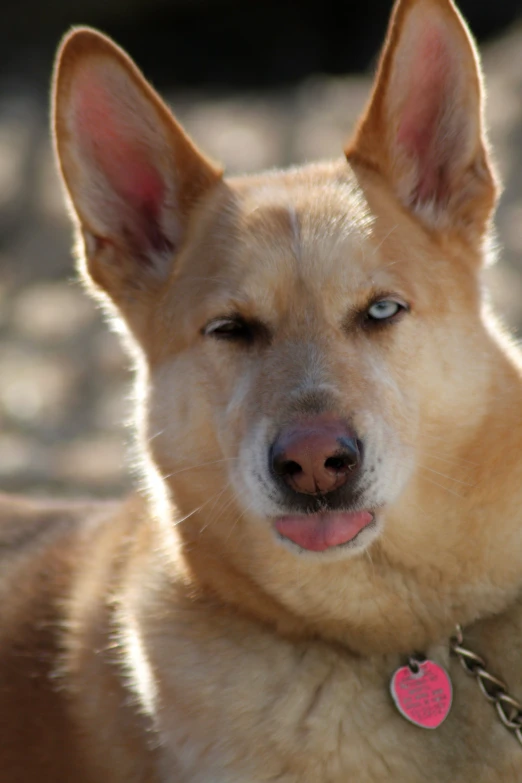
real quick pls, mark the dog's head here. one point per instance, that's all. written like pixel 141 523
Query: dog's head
pixel 306 334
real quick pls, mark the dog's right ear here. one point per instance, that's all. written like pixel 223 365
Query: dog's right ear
pixel 132 174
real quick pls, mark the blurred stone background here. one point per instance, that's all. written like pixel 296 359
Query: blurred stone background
pixel 257 84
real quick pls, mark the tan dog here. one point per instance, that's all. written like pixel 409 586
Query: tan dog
pixel 332 437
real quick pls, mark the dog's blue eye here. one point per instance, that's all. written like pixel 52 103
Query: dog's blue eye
pixel 383 310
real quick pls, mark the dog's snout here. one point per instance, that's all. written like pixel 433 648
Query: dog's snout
pixel 315 456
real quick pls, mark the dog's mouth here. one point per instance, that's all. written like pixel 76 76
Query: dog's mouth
pixel 324 530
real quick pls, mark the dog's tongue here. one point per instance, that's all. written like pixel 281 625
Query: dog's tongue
pixel 318 532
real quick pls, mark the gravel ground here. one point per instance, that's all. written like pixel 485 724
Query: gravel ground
pixel 64 383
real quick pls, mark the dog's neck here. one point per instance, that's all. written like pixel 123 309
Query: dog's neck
pixel 370 605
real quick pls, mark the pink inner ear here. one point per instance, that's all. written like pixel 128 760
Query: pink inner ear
pixel 428 91
pixel 110 136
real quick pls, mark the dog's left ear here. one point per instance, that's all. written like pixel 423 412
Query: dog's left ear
pixel 423 128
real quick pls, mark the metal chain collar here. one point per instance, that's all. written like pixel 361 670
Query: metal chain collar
pixel 509 710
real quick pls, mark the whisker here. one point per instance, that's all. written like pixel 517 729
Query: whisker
pixel 198 465
pixel 240 516
pixel 383 240
pixel 440 438
pixel 369 557
pixel 217 498
pixel 156 435
pixel 220 513
pixel 196 510
pixel 190 514
pixel 441 486
pixel 458 461
pixel 443 475
pixel 236 521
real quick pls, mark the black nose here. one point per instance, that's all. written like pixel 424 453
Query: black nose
pixel 316 455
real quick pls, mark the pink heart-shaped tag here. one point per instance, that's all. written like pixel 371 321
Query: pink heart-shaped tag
pixel 422 694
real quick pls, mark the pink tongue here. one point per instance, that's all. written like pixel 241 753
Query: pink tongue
pixel 318 532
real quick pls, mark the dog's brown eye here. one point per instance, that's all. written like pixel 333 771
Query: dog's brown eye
pixel 233 328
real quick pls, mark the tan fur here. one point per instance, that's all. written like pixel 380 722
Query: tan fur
pixel 174 637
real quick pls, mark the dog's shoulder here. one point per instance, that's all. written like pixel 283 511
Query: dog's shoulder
pixel 53 596
pixel 42 546
pixel 36 529
pixel 25 521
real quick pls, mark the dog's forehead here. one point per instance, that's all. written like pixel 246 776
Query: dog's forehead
pixel 307 228
pixel 306 213
pixel 288 242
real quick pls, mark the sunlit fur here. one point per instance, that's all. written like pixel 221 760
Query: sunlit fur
pixel 175 637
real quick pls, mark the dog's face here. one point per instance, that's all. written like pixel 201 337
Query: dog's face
pixel 296 337
pixel 305 333
pixel 291 350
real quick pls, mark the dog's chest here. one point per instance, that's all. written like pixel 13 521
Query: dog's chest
pixel 261 710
